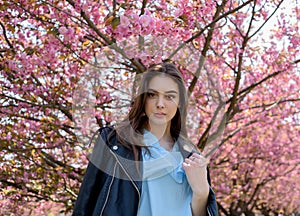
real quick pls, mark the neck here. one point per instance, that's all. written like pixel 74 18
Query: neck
pixel 162 132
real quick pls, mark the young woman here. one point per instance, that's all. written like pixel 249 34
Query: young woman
pixel 146 165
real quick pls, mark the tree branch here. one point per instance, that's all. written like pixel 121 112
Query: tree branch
pixel 208 26
pixel 251 87
pixel 205 48
pixel 92 25
pixel 5 36
pixel 267 19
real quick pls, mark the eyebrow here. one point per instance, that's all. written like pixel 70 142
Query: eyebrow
pixel 168 92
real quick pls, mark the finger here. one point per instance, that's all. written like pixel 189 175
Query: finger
pixel 201 158
pixel 197 162
pixel 188 162
pixel 185 164
pixel 191 161
pixel 196 155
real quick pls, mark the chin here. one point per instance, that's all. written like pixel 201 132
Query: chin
pixel 159 122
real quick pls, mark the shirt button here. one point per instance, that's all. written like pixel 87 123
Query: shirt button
pixel 115 147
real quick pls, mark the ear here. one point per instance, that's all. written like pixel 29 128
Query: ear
pixel 132 103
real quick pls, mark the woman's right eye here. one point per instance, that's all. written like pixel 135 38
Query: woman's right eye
pixel 151 94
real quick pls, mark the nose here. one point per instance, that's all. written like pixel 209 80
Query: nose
pixel 160 102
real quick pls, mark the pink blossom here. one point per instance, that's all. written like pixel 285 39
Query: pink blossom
pixel 147 23
pixel 146 20
pixel 166 26
pixel 178 12
pixel 158 26
pixel 124 21
pixel 12 65
pixel 136 28
pixel 68 33
pixel 63 30
pixel 123 29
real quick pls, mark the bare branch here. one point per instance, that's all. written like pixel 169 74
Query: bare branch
pixel 143 7
pixel 5 36
pixel 265 22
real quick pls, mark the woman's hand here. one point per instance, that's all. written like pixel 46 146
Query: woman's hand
pixel 196 172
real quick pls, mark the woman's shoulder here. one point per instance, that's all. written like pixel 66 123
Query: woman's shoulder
pixel 106 129
pixel 101 138
pixel 105 133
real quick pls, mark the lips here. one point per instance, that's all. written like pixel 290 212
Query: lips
pixel 159 115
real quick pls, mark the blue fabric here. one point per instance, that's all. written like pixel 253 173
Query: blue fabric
pixel 165 189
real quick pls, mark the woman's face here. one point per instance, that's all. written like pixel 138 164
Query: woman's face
pixel 162 100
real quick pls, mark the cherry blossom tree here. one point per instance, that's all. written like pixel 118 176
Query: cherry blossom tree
pixel 67 68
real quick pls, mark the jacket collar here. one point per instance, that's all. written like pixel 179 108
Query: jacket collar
pixel 126 158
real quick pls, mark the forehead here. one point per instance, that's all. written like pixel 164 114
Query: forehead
pixel 163 83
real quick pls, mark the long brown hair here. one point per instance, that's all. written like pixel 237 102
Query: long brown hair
pixel 130 130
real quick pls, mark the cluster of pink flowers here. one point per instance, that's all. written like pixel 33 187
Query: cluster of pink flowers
pixel 68 33
pixel 132 24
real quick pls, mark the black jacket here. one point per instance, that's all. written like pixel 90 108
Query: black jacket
pixel 111 185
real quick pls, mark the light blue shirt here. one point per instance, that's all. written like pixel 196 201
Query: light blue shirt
pixel 165 189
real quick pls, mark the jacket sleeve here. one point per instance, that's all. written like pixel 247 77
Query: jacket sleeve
pixel 89 191
pixel 211 208
pixel 93 180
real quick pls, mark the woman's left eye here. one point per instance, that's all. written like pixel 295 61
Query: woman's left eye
pixel 170 97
